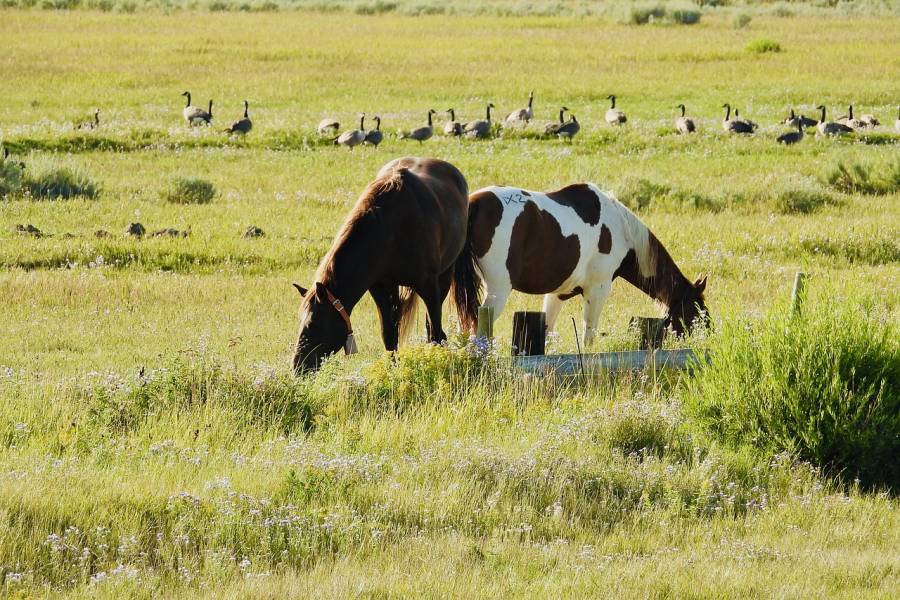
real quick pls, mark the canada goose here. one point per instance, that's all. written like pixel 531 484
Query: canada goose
pixel 683 124
pixel 735 125
pixel 792 137
pixel 850 121
pixel 863 120
pixel 194 115
pixel 375 136
pixel 327 126
pixel 752 124
pixel 614 116
pixel 452 127
pixel 242 126
pixel 897 122
pixel 552 128
pixel 522 114
pixel 569 129
pixel 793 119
pixel 91 122
pixel 831 127
pixel 480 128
pixel 354 137
pixel 421 133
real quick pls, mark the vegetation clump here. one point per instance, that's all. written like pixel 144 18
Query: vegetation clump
pixel 49 181
pixel 864 177
pixel 185 190
pixel 824 386
pixel 763 46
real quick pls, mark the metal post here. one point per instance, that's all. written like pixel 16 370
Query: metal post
pixel 485 326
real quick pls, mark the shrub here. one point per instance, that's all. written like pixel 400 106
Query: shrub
pixel 375 8
pixel 763 46
pixel 803 196
pixel 864 178
pixel 685 16
pixel 641 194
pixel 10 177
pixel 184 190
pixel 741 20
pixel 49 181
pixel 824 386
pixel 641 14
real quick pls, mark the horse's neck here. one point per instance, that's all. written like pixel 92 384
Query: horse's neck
pixel 353 265
pixel 664 284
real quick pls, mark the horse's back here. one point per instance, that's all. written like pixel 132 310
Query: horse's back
pixel 546 242
pixel 435 206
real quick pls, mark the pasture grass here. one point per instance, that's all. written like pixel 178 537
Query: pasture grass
pixel 156 444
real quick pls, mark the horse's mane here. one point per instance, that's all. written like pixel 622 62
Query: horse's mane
pixel 657 273
pixel 641 239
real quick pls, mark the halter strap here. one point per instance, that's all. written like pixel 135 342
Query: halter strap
pixel 338 306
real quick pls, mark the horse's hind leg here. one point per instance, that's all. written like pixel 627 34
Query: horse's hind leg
pixel 432 293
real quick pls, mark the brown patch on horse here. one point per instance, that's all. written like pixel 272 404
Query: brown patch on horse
pixel 485 213
pixel 580 198
pixel 575 292
pixel 667 281
pixel 540 257
pixel 525 193
pixel 605 243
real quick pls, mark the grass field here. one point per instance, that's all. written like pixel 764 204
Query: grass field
pixel 155 443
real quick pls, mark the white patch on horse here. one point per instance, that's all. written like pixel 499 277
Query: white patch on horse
pixel 594 270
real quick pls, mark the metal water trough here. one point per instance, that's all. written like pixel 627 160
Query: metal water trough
pixel 632 360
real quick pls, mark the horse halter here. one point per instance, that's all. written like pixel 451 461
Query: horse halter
pixel 350 343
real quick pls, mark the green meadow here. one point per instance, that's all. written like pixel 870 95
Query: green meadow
pixel 155 443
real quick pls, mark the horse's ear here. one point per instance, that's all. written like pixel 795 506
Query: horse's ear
pixel 300 288
pixel 700 284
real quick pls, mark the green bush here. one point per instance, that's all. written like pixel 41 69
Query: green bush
pixel 185 190
pixel 864 178
pixel 763 46
pixel 824 386
pixel 741 20
pixel 642 194
pixel 685 16
pixel 641 14
pixel 49 181
pixel 10 177
pixel 803 197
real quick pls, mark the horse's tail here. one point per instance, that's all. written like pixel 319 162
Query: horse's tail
pixel 408 307
pixel 637 233
pixel 466 285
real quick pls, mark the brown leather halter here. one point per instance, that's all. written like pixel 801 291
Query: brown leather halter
pixel 350 344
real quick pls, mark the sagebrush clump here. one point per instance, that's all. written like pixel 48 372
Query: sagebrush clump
pixel 186 190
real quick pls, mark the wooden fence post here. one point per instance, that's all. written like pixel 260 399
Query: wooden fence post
pixel 529 333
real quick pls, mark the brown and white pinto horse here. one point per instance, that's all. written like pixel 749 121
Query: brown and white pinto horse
pixel 402 239
pixel 567 243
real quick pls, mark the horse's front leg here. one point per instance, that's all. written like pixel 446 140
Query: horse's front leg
pixel 387 300
pixel 594 299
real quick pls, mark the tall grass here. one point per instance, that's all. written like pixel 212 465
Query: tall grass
pixel 824 386
pixel 48 180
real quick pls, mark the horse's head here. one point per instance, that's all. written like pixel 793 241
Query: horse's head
pixel 688 308
pixel 323 330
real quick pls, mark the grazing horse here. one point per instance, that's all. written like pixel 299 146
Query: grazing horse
pixel 401 239
pixel 572 242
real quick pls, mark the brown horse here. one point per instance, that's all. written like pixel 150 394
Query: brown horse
pixel 571 242
pixel 402 239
